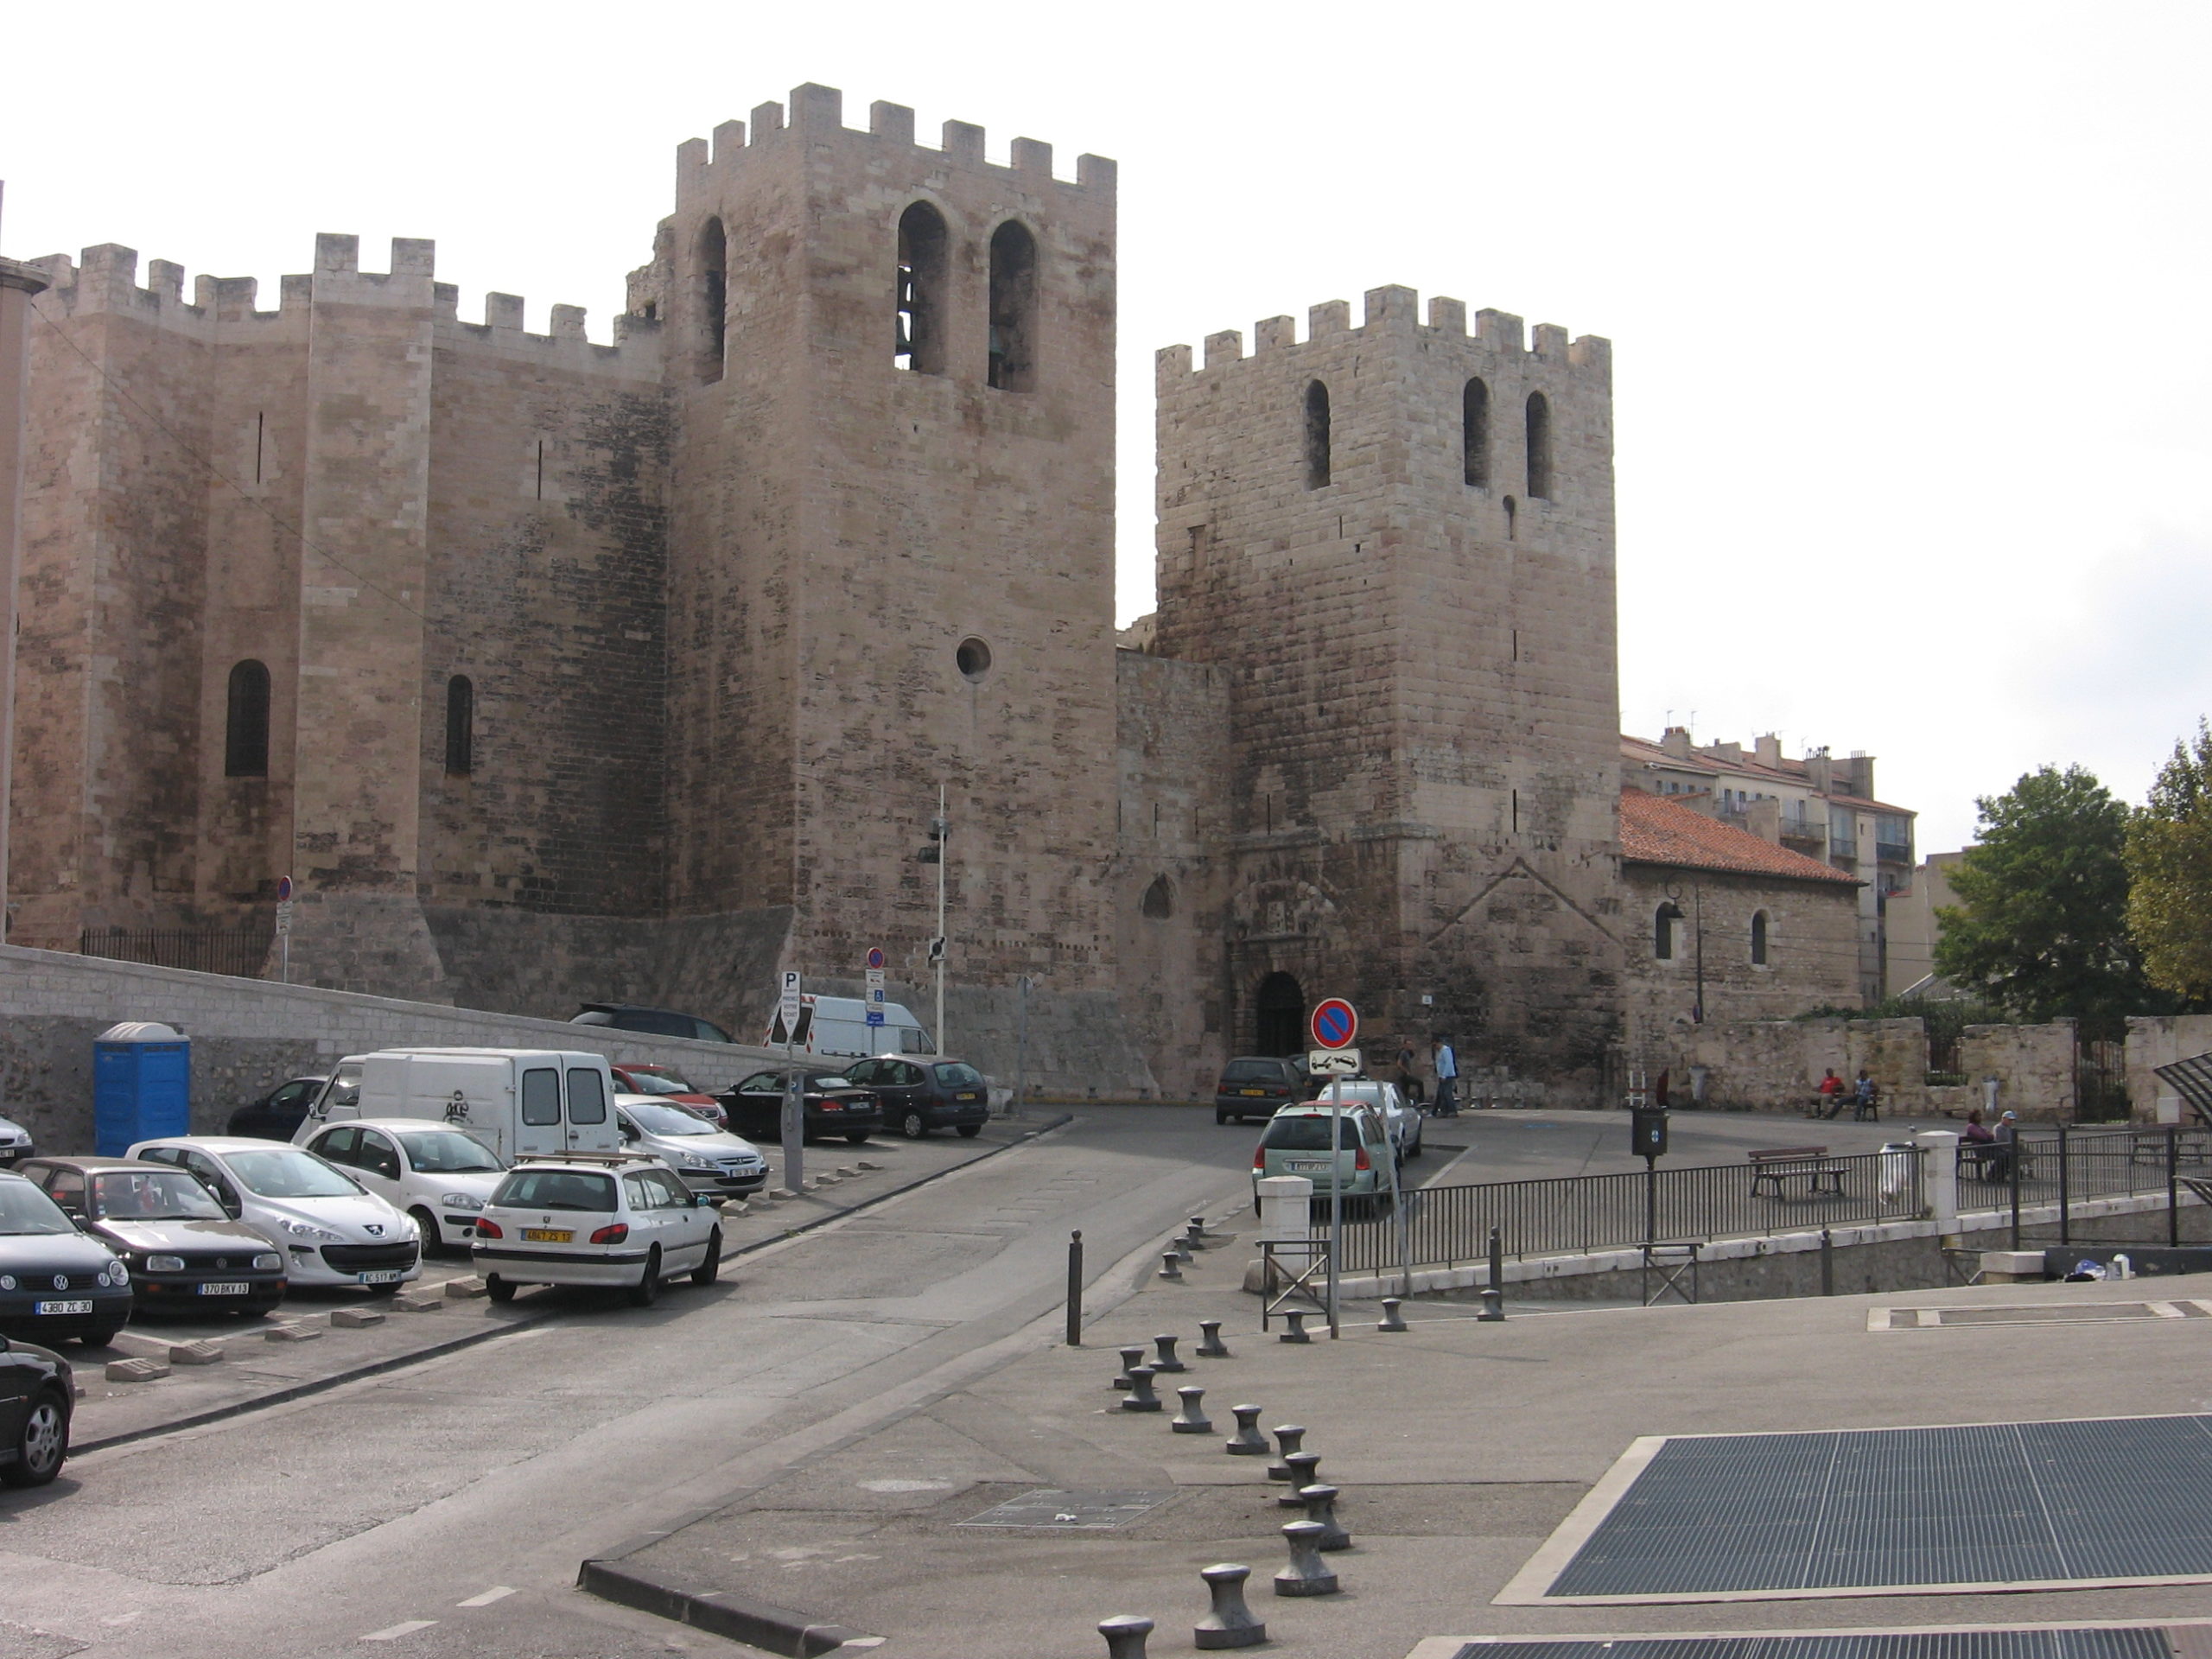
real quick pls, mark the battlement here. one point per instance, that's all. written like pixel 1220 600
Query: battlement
pixel 815 115
pixel 1390 312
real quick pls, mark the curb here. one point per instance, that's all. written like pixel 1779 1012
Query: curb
pixel 718 1612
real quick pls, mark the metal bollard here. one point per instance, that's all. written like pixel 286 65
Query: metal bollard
pixel 1131 1357
pixel 1230 1624
pixel 1140 1396
pixel 1192 1420
pixel 1321 1505
pixel 1166 1361
pixel 1181 1246
pixel 1392 1318
pixel 1307 1574
pixel 1125 1635
pixel 1171 1267
pixel 1305 1468
pixel 1194 1239
pixel 1198 1227
pixel 1493 1297
pixel 1211 1346
pixel 1298 1333
pixel 1247 1441
pixel 1289 1437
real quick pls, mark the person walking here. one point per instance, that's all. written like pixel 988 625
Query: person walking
pixel 1447 1077
pixel 1408 1080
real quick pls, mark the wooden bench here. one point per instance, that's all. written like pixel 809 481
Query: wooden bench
pixel 1773 1166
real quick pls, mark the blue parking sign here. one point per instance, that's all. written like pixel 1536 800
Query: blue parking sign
pixel 875 1016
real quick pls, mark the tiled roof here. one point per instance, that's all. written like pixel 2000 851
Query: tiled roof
pixel 1658 832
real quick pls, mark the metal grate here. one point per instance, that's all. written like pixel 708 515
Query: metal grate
pixel 2121 1644
pixel 1053 1510
pixel 2105 1499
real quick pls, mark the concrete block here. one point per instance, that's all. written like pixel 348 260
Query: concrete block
pixel 417 1301
pixel 291 1334
pixel 866 1164
pixel 460 1290
pixel 354 1319
pixel 137 1369
pixel 141 1345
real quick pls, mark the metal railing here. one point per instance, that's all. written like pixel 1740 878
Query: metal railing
pixel 2069 1165
pixel 205 952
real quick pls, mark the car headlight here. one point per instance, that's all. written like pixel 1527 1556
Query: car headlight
pixel 309 1229
pixel 707 1164
pixel 115 1274
pixel 7 1281
pixel 165 1264
pixel 459 1201
pixel 268 1263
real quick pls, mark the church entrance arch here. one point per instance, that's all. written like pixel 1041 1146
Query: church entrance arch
pixel 1282 1011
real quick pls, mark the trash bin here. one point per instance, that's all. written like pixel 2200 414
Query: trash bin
pixel 142 1086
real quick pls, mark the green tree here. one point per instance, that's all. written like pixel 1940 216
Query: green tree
pixel 2170 873
pixel 2041 927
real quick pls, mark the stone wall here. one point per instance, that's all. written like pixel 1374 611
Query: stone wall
pixel 2160 1040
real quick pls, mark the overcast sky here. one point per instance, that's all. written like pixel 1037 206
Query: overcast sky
pixel 1906 299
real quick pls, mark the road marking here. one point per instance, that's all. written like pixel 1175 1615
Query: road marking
pixel 393 1632
pixel 497 1592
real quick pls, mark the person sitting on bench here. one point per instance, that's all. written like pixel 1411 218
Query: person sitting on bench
pixel 1977 1145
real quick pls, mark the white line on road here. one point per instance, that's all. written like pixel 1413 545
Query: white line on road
pixel 393 1632
pixel 497 1592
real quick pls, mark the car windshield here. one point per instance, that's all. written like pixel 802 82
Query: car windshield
pixel 288 1174
pixel 828 1080
pixel 1253 1071
pixel 667 1120
pixel 24 1208
pixel 957 1076
pixel 153 1195
pixel 1307 1131
pixel 448 1152
pixel 557 1189
pixel 657 1080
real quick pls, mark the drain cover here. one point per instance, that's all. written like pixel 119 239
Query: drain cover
pixel 1050 1510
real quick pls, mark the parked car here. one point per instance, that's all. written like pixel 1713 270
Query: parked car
pixel 277 1115
pixel 440 1175
pixel 55 1281
pixel 1296 1142
pixel 514 1100
pixel 15 1143
pixel 833 1106
pixel 614 1221
pixel 38 1392
pixel 332 1229
pixel 919 1095
pixel 184 1252
pixel 705 1158
pixel 666 1082
pixel 836 1026
pixel 1256 1085
pixel 658 1022
pixel 1403 1117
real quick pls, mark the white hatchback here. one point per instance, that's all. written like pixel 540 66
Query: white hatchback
pixel 332 1229
pixel 438 1174
pixel 612 1219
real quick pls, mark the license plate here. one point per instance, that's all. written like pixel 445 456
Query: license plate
pixel 224 1290
pixel 966 1096
pixel 61 1308
pixel 380 1276
pixel 1305 1163
pixel 547 1235
pixel 1251 1091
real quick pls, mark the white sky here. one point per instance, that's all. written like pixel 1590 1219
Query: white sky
pixel 1906 299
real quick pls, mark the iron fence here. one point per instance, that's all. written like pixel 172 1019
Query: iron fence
pixel 203 951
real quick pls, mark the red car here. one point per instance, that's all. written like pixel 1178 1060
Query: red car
pixel 666 1082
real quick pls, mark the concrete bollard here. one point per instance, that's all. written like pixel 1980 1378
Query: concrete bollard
pixel 1392 1318
pixel 137 1369
pixel 1192 1420
pixel 1211 1346
pixel 1230 1624
pixel 1247 1441
pixel 1131 1358
pixel 1321 1505
pixel 1296 1319
pixel 1290 1437
pixel 1166 1360
pixel 1171 1267
pixel 1307 1574
pixel 1304 1469
pixel 1125 1635
pixel 1140 1396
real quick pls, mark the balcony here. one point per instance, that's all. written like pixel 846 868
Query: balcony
pixel 1893 852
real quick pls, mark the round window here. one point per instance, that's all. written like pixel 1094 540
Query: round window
pixel 974 657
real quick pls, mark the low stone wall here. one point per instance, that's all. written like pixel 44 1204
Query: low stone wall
pixel 2161 1041
pixel 1777 1065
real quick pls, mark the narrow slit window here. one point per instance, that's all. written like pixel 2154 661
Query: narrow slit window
pixel 919 341
pixel 1539 446
pixel 461 726
pixel 1758 938
pixel 1013 308
pixel 1474 433
pixel 1317 436
pixel 714 299
pixel 1662 931
pixel 245 727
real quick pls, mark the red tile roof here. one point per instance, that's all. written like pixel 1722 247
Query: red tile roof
pixel 1658 832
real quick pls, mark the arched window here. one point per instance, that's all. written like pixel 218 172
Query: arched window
pixel 1281 1026
pixel 714 299
pixel 245 725
pixel 1013 308
pixel 1758 938
pixel 1663 931
pixel 461 726
pixel 1159 900
pixel 920 340
pixel 1539 446
pixel 1474 432
pixel 1317 436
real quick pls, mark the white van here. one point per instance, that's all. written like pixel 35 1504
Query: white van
pixel 514 1100
pixel 838 1027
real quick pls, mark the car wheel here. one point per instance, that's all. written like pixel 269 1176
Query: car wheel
pixel 102 1336
pixel 858 1137
pixel 498 1289
pixel 1220 1117
pixel 710 1269
pixel 970 1131
pixel 42 1443
pixel 646 1291
pixel 434 1242
pixel 913 1126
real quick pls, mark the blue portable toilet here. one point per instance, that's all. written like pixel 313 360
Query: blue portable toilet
pixel 142 1086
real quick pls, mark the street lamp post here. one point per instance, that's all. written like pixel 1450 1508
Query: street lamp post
pixel 940 828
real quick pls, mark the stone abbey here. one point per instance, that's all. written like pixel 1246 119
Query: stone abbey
pixel 556 671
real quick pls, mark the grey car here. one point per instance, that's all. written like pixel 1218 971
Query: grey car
pixel 708 1159
pixel 15 1143
pixel 185 1254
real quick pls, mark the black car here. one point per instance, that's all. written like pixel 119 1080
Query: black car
pixel 37 1394
pixel 185 1254
pixel 919 1095
pixel 55 1282
pixel 658 1022
pixel 1259 1085
pixel 279 1114
pixel 834 1106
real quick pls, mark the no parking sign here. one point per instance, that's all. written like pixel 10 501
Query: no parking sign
pixel 1335 1023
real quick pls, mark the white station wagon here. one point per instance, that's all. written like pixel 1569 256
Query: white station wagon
pixel 608 1219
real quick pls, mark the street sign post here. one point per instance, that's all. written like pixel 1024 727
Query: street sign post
pixel 284 928
pixel 787 1008
pixel 1335 1023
